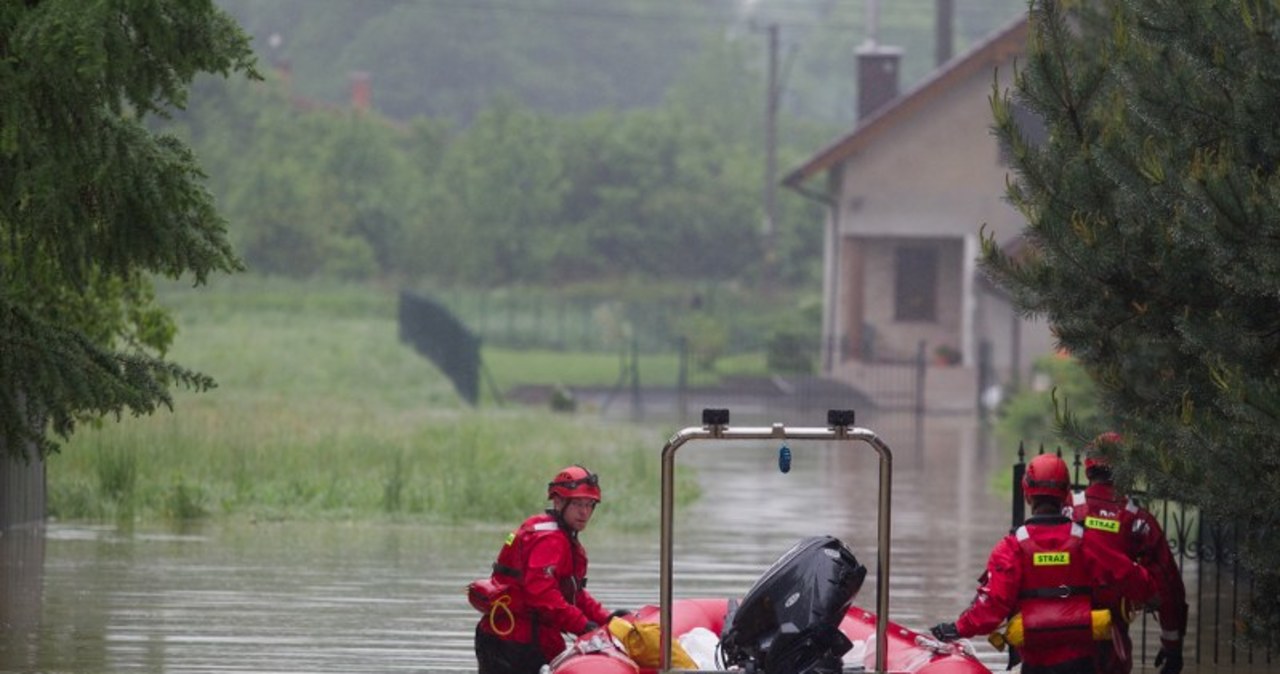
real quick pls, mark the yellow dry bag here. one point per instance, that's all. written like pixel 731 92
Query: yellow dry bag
pixel 643 643
pixel 1014 636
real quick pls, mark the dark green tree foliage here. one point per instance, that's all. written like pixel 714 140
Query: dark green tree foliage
pixel 308 189
pixel 1154 221
pixel 92 203
pixel 521 197
pixel 656 193
pixel 495 204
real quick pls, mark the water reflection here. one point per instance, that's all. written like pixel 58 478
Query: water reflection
pixel 348 598
pixel 22 553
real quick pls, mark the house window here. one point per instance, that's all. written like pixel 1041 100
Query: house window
pixel 916 284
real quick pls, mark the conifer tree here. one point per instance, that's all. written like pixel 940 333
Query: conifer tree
pixel 93 204
pixel 1153 224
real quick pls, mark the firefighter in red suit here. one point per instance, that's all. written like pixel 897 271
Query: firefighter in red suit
pixel 544 567
pixel 1047 570
pixel 1130 529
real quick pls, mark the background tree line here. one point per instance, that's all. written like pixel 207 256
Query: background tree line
pixel 516 197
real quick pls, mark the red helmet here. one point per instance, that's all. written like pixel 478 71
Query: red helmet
pixel 575 482
pixel 1046 476
pixel 1093 458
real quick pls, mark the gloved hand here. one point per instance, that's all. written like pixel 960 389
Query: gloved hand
pixel 619 613
pixel 591 626
pixel 1170 658
pixel 946 632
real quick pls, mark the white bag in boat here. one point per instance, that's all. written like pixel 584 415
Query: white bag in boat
pixel 701 645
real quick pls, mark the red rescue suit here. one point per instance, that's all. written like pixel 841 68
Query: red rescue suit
pixel 546 569
pixel 1122 525
pixel 1052 595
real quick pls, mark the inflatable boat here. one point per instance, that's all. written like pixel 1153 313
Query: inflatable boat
pixel 798 618
pixel 600 652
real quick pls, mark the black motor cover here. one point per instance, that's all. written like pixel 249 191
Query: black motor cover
pixel 789 620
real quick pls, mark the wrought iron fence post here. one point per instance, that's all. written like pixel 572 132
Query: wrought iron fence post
pixel 1019 507
pixel 921 364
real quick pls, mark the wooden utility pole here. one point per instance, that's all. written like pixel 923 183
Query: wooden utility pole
pixel 771 165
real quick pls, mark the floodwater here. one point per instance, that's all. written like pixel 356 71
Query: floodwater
pixel 305 597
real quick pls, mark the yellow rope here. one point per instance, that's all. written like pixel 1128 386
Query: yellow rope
pixel 502 603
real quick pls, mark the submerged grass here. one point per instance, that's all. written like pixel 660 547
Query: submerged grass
pixel 321 413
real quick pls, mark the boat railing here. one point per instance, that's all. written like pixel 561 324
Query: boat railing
pixel 840 427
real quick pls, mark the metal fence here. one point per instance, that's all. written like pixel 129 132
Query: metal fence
pixel 438 335
pixel 652 322
pixel 898 383
pixel 1218 587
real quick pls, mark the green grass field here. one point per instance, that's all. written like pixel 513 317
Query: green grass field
pixel 320 412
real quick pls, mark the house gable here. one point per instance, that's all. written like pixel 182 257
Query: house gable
pixel 1000 49
pixel 936 172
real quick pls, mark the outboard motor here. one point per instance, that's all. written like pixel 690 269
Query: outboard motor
pixel 789 621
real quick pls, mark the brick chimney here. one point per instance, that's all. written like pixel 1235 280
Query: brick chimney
pixel 877 77
pixel 361 91
pixel 877 67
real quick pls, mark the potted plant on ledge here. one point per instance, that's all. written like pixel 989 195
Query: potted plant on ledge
pixel 946 356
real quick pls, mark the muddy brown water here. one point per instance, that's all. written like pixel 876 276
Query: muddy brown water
pixel 306 597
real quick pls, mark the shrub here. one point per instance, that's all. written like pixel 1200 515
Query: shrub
pixel 789 351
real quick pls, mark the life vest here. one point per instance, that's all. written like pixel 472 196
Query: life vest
pixel 512 561
pixel 1115 524
pixel 1056 593
pixel 1120 521
pixel 501 597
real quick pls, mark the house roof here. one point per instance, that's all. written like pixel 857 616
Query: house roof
pixel 997 48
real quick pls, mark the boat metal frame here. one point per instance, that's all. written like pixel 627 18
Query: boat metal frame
pixel 715 426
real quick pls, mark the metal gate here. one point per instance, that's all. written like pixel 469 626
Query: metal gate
pixel 892 382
